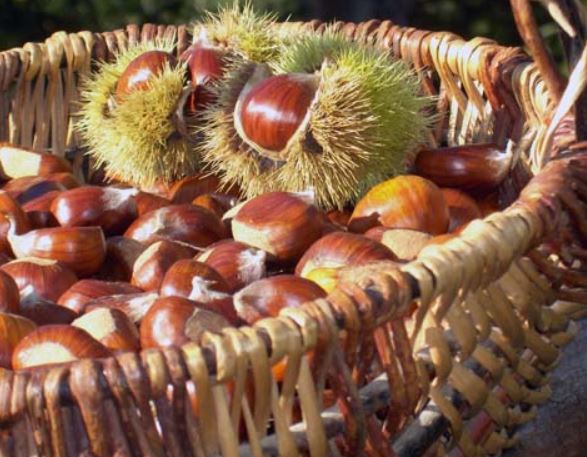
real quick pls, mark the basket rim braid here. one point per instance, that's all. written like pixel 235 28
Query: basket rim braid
pixel 493 310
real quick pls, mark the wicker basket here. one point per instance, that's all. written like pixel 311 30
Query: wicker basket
pixel 470 365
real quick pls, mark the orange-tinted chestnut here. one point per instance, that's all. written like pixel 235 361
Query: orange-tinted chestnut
pixel 142 70
pixel 462 209
pixel 13 328
pixel 53 344
pixel 267 297
pixel 407 201
pixel 341 249
pixel 236 262
pixel 111 327
pixel 173 321
pixel 151 265
pixel 45 278
pixel 86 290
pixel 279 223
pixel 111 208
pixel 471 167
pixel 188 223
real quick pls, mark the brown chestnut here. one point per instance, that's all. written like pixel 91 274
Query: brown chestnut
pixel 186 189
pixel 141 70
pixel 86 290
pixel 39 212
pixel 341 249
pixel 279 223
pixel 53 344
pixel 81 249
pixel 236 262
pixel 16 161
pixel 45 312
pixel 46 278
pixel 205 65
pixel 188 223
pixel 151 265
pixel 471 167
pixel 111 327
pixel 146 202
pixel 199 282
pixel 267 297
pixel 9 295
pixel 135 306
pixel 111 208
pixel 121 255
pixel 173 321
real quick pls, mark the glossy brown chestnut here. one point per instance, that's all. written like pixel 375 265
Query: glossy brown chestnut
pixel 46 278
pixel 86 290
pixel 9 295
pixel 186 189
pixel 273 110
pixel 201 283
pixel 217 203
pixel 146 202
pixel 204 66
pixel 54 344
pixel 471 167
pixel 341 249
pixel 141 70
pixel 28 188
pixel 279 223
pixel 45 312
pixel 111 327
pixel 173 321
pixel 38 210
pixel 16 161
pixel 188 223
pixel 462 209
pixel 151 265
pixel 267 297
pixel 408 201
pixel 81 249
pixel 66 179
pixel 111 208
pixel 135 306
pixel 121 255
pixel 10 207
pixel 13 328
pixel 236 262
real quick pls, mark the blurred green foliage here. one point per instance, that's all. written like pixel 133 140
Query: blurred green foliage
pixel 34 20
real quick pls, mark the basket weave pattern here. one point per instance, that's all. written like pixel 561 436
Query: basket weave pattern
pixel 480 343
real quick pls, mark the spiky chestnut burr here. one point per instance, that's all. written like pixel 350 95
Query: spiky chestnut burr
pixel 140 113
pixel 329 114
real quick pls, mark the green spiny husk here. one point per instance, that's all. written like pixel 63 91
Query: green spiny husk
pixel 247 33
pixel 137 140
pixel 367 116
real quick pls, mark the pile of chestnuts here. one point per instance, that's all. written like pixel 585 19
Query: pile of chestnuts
pixel 90 270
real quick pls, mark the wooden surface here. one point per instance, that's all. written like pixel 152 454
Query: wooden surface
pixel 561 426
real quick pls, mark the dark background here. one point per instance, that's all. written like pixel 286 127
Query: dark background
pixel 34 20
